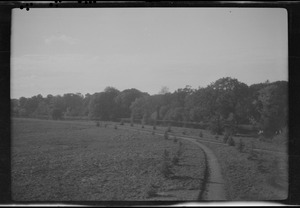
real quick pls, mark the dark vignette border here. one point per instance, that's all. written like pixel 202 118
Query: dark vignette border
pixel 293 10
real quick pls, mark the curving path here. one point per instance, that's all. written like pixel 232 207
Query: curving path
pixel 214 183
pixel 213 187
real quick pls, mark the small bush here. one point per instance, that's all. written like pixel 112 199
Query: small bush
pixel 122 123
pixel 180 150
pixel 143 126
pixel 166 169
pixel 97 124
pixel 241 146
pixel 116 127
pixel 225 138
pixel 175 160
pixel 166 136
pixel 154 127
pixel 231 141
pixel 216 137
pixel 169 129
pixel 184 132
pixel 201 134
pixel 151 191
pixel 105 125
pixel 175 140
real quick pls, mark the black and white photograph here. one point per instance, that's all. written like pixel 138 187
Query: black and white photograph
pixel 149 104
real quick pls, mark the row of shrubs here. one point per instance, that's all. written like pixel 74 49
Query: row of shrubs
pixel 154 128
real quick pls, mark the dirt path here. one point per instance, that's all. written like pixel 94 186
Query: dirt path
pixel 214 184
pixel 213 188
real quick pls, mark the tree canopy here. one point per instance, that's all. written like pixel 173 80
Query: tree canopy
pixel 226 100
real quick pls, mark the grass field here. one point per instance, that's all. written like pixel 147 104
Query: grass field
pixel 78 161
pixel 250 175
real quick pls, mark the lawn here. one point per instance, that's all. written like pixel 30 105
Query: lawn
pixel 78 161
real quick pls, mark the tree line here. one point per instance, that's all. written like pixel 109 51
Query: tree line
pixel 225 102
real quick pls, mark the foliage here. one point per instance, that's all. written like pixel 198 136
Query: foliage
pixel 273 108
pixel 166 168
pixel 231 141
pixel 169 128
pixel 175 140
pixel 224 103
pixel 56 114
pixel 166 136
pixel 225 138
pixel 216 125
pixel 240 146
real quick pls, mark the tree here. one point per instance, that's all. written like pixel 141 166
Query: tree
pixel 163 90
pixel 230 95
pixel 273 108
pixel 124 100
pixel 15 108
pixel 103 106
pixel 73 104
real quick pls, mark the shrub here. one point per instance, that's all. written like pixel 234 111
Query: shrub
pixel 241 146
pixel 154 127
pixel 131 121
pixel 166 136
pixel 169 128
pixel 166 165
pixel 122 122
pixel 231 141
pixel 225 138
pixel 116 127
pixel 151 191
pixel 180 150
pixel 97 124
pixel 200 134
pixel 175 140
pixel 142 126
pixel 175 160
pixel 105 125
pixel 184 132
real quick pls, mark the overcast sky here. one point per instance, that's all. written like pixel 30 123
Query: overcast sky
pixel 57 51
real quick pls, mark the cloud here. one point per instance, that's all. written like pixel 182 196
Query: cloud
pixel 61 39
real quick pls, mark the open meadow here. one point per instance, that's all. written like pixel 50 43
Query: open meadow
pixel 78 161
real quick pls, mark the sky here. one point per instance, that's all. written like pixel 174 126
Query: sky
pixel 83 50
